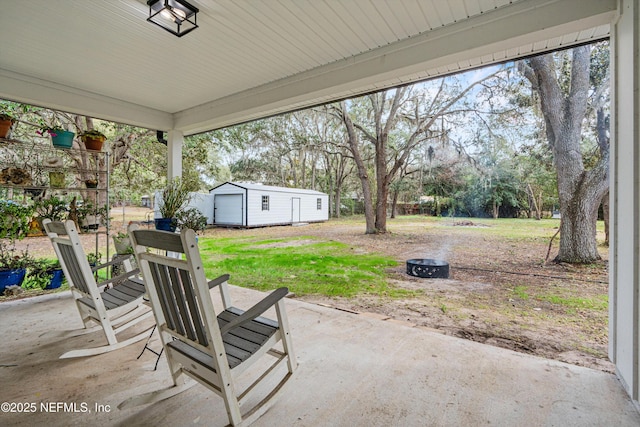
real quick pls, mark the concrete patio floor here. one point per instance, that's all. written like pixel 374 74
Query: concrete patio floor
pixel 354 370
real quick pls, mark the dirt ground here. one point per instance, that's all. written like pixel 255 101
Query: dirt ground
pixel 500 292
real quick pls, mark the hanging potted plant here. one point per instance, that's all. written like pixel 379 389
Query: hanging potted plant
pixel 60 138
pixel 57 179
pixel 56 176
pixel 91 183
pixel 93 139
pixel 6 121
pixel 174 197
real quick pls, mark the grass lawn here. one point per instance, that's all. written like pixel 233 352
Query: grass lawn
pixel 304 264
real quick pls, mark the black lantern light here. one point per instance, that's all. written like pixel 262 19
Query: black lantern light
pixel 176 16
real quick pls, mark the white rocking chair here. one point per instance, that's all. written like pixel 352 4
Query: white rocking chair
pixel 211 349
pixel 115 309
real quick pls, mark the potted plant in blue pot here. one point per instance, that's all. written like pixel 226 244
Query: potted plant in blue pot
pixel 44 274
pixel 174 198
pixel 13 265
pixel 14 225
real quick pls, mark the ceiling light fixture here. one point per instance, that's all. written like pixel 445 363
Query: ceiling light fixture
pixel 176 16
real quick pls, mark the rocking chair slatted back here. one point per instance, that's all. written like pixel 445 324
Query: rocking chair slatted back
pixel 179 302
pixel 72 261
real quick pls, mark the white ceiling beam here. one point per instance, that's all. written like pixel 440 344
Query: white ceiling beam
pixel 518 24
pixel 29 90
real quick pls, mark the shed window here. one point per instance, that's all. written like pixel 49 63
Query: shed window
pixel 319 204
pixel 265 203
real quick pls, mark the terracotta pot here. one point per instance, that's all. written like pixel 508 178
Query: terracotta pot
pixel 5 127
pixel 93 143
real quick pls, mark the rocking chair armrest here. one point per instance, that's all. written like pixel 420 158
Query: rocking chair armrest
pixel 256 310
pixel 116 260
pixel 217 281
pixel 120 277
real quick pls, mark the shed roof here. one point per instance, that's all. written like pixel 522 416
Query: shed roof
pixel 260 187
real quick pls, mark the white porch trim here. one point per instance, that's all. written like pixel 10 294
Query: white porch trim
pixel 624 283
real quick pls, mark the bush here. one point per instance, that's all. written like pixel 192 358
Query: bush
pixel 191 218
pixel 14 220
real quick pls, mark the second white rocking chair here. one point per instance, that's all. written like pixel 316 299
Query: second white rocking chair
pixel 113 310
pixel 213 350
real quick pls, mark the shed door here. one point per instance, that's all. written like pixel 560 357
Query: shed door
pixel 227 209
pixel 295 209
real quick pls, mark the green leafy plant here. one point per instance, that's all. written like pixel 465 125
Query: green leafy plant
pixel 90 215
pixel 95 134
pixel 50 130
pixel 175 196
pixel 6 116
pixel 94 258
pixel 14 219
pixel 52 208
pixel 40 273
pixel 191 218
pixel 11 258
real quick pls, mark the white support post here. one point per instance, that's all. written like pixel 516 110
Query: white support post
pixel 175 139
pixel 624 282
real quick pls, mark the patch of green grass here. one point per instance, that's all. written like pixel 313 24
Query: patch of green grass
pixel 598 303
pixel 521 292
pixel 309 266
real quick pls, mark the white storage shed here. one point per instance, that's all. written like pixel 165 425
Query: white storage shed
pixel 239 204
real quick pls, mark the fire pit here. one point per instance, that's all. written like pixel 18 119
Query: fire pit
pixel 428 268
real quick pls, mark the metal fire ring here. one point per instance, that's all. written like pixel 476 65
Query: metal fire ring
pixel 428 268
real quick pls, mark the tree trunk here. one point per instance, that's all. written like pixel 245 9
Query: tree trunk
pixel 362 170
pixel 535 206
pixel 578 242
pixel 539 207
pixel 580 191
pixel 394 203
pixel 381 205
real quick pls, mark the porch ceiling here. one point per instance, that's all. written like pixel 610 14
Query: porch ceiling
pixel 251 59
